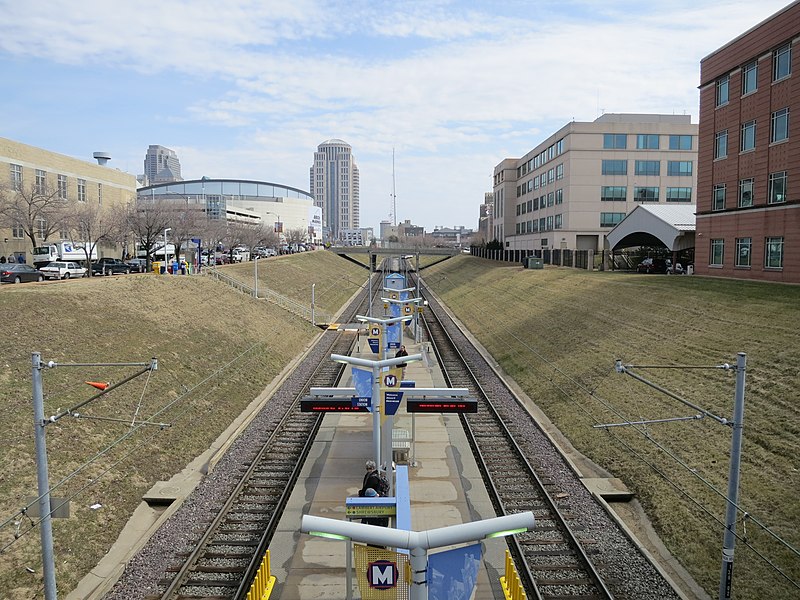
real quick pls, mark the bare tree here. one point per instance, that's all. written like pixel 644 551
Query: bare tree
pixel 38 209
pixel 147 221
pixel 91 224
pixel 185 223
pixel 296 236
pixel 212 233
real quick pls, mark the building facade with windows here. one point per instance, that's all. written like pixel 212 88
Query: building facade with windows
pixel 28 168
pixel 334 184
pixel 573 188
pixel 161 165
pixel 748 208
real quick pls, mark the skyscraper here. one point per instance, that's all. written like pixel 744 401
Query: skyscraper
pixel 161 165
pixel 334 184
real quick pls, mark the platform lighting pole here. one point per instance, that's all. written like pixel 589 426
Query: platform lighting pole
pixel 165 247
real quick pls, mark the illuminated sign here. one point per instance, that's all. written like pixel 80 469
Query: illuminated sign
pixel 331 405
pixel 441 405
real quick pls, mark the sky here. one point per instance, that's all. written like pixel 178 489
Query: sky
pixel 430 95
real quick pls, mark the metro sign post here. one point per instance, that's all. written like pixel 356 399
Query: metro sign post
pixel 382 574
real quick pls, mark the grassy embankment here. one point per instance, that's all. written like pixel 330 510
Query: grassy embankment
pixel 557 332
pixel 217 350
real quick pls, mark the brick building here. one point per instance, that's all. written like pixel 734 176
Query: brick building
pixel 748 205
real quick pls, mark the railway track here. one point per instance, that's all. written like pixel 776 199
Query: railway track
pixel 576 549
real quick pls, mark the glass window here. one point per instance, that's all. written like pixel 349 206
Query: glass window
pixel 719 197
pixel 721 144
pixel 609 219
pixel 81 190
pixel 780 125
pixel 782 61
pixel 559 146
pixel 615 141
pixel 41 181
pixel 549 223
pixel 743 249
pixel 773 253
pixel 777 187
pixel 680 142
pixel 615 167
pixel 717 252
pixel 680 168
pixel 645 194
pixel 551 199
pixel 530 205
pixel 551 175
pixel 17 232
pixel 648 167
pixel 559 221
pixel 749 77
pixel 679 194
pixel 559 196
pixel 647 141
pixel 16 177
pixel 748 136
pixel 560 171
pixel 536 204
pixel 722 90
pixel 519 209
pixel 541 224
pixel 746 193
pixel 613 193
pixel 62 187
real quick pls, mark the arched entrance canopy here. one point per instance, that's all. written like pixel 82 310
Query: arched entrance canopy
pixel 655 225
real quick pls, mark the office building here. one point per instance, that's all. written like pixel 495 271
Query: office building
pixel 748 208
pixel 575 186
pixel 161 165
pixel 334 184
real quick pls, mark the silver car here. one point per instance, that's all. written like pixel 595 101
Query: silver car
pixel 58 269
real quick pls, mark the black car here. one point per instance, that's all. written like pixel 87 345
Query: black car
pixel 110 266
pixel 19 273
pixel 137 265
pixel 653 265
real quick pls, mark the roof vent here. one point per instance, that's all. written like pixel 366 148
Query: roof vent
pixel 102 157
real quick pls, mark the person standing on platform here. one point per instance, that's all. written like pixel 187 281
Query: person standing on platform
pixel 372 479
pixel 398 354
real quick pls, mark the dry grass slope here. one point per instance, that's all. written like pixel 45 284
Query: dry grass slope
pixel 217 350
pixel 557 332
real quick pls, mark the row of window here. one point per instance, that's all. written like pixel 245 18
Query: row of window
pixel 40 184
pixel 619 193
pixel 779 131
pixel 646 141
pixel 776 191
pixel 676 168
pixel 781 68
pixel 544 224
pixel 540 159
pixel 549 176
pixel 773 252
pixel 551 199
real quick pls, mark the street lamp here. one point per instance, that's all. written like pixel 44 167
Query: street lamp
pixel 166 258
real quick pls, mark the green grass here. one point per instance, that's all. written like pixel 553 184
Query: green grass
pixel 557 332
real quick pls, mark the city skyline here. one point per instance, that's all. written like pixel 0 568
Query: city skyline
pixel 250 91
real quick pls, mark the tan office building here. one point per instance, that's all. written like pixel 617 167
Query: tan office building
pixel 573 188
pixel 25 167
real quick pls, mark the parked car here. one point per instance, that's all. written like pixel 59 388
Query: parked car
pixel 19 273
pixel 110 266
pixel 59 269
pixel 137 265
pixel 653 265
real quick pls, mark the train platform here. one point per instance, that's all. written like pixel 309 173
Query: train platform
pixel 445 489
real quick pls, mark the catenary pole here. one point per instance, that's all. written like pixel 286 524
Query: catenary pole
pixel 42 478
pixel 729 541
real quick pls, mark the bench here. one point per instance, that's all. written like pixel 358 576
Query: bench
pixel 401 445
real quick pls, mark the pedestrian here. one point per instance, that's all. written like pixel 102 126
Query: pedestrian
pixel 372 479
pixel 11 258
pixel 2 259
pixel 398 354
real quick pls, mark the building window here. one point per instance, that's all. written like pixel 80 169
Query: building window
pixel 551 175
pixel 16 177
pixel 17 232
pixel 541 225
pixel 41 181
pixel 559 221
pixel 530 205
pixel 609 219
pixel 559 196
pixel 560 171
pixel 679 194
pixel 750 77
pixel 543 180
pixel 746 193
pixel 615 167
pixel 780 125
pixel 721 144
pixel 777 187
pixel 679 168
pixel 62 187
pixel 559 146
pixel 535 183
pixel 680 142
pixel 717 252
pixel 743 248
pixel 648 167
pixel 536 204
pixel 519 209
pixel 782 61
pixel 645 194
pixel 613 193
pixel 81 190
pixel 551 199
pixel 719 197
pixel 615 141
pixel 647 141
pixel 773 253
pixel 748 136
pixel 549 223
pixel 722 90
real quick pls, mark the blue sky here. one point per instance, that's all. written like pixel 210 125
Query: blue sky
pixel 249 88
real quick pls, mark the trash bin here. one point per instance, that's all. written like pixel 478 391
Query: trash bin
pixel 534 262
pixel 157 267
pixel 690 270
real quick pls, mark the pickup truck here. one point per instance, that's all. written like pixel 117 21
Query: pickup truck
pixel 110 266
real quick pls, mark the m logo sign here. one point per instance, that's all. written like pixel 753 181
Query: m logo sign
pixel 390 380
pixel 382 575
